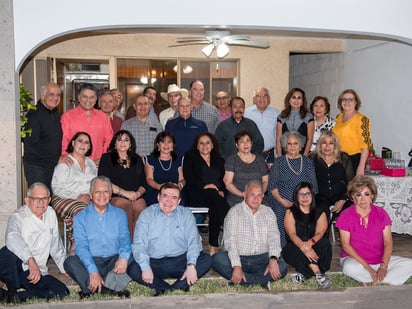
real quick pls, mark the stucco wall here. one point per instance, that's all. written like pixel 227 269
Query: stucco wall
pixel 258 67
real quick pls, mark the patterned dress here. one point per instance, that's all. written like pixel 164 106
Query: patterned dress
pixel 326 126
pixel 283 178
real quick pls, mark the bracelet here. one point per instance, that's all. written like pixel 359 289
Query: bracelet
pixel 273 257
pixel 383 265
pixel 313 241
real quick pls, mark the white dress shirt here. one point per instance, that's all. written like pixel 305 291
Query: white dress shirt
pixel 28 236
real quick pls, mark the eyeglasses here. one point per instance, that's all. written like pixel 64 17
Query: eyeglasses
pixel 261 96
pixel 222 98
pixel 305 194
pixel 351 100
pixel 165 196
pixel 39 199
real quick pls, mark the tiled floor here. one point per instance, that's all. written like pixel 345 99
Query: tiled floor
pixel 402 247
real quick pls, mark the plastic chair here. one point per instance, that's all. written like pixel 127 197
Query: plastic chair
pixel 200 210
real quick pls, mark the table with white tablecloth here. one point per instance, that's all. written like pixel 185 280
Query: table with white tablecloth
pixel 395 195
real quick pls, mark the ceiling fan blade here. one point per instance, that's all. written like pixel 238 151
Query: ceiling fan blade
pixel 234 37
pixel 191 38
pixel 250 43
pixel 188 43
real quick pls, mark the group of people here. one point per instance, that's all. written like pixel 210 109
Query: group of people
pixel 272 180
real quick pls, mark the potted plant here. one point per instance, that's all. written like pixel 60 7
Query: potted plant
pixel 25 106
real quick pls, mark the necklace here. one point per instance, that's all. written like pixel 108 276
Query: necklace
pixel 163 168
pixel 297 173
pixel 124 163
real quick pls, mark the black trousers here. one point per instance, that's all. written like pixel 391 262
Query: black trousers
pixel 12 274
pixel 295 257
pixel 218 208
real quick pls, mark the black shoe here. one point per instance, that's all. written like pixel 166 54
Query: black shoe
pixel 158 292
pixel 3 295
pixel 186 289
pixel 11 296
pixel 124 293
pixel 83 295
pixel 266 286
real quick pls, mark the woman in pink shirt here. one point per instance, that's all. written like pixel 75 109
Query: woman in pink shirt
pixel 366 238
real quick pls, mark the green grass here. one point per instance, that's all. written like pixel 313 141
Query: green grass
pixel 219 286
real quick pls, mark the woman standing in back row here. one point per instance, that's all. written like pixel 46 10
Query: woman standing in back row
pixel 353 130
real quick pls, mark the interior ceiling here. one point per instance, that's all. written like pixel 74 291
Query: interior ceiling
pixel 258 33
pixel 196 31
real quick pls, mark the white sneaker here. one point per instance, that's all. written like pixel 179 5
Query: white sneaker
pixel 298 278
pixel 323 281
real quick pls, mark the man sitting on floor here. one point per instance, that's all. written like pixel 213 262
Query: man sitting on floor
pixel 102 242
pixel 166 244
pixel 251 238
pixel 32 235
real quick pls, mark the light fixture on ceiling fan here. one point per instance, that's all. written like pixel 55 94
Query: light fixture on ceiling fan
pixel 219 40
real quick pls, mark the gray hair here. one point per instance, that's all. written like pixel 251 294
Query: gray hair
pixel 261 88
pixel 101 179
pixel 43 88
pixel 36 185
pixel 254 183
pixel 285 136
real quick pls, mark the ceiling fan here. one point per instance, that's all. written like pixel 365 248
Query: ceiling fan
pixel 219 40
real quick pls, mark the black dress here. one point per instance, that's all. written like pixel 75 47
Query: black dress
pixel 197 174
pixel 296 258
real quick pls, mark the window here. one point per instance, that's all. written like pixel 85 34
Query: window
pixel 133 75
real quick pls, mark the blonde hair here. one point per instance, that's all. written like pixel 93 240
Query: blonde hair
pixel 332 135
pixel 360 182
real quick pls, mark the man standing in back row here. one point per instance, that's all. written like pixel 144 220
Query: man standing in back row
pixel 42 148
pixel 90 120
pixel 202 110
pixel 143 127
pixel 265 118
pixel 227 129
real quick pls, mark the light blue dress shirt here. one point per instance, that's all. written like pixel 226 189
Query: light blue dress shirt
pixel 103 235
pixel 266 123
pixel 158 235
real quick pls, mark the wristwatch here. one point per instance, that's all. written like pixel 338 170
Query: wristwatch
pixel 273 257
pixel 191 264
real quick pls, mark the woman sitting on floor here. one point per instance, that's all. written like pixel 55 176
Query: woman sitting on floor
pixel 366 238
pixel 307 249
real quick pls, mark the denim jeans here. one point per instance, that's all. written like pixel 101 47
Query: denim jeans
pixel 253 267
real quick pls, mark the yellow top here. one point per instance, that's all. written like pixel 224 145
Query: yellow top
pixel 354 134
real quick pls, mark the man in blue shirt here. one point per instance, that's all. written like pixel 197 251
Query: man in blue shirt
pixel 166 244
pixel 103 247
pixel 265 117
pixel 185 128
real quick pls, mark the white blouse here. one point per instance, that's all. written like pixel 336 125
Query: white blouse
pixel 71 181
